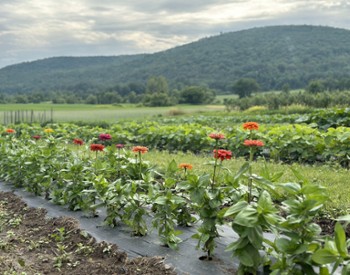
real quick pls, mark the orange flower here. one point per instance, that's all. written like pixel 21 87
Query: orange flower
pixel 97 147
pixel 10 131
pixel 253 143
pixel 222 154
pixel 141 149
pixel 185 166
pixel 217 136
pixel 78 141
pixel 251 126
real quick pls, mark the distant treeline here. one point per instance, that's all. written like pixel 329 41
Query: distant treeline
pixel 320 93
pixel 156 92
pixel 274 101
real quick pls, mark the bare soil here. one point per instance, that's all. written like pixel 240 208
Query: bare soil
pixel 32 243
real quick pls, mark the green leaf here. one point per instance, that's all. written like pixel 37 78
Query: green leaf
pixel 240 243
pixel 172 168
pixel 265 204
pixel 255 236
pixel 241 171
pixel 340 239
pixel 345 218
pixel 236 208
pixel 324 270
pixel 247 217
pixel 161 200
pixel 249 256
pixel 291 187
pixel 324 256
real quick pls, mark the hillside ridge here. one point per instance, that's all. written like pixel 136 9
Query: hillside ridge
pixel 273 56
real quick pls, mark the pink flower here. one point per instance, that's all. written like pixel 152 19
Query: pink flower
pixel 105 137
pixel 119 146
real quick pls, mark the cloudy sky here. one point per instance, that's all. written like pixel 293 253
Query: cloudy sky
pixel 36 29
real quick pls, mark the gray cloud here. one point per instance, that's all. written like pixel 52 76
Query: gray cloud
pixel 31 30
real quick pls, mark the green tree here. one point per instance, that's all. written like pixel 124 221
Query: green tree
pixel 91 99
pixel 315 86
pixel 244 87
pixel 157 92
pixel 286 88
pixel 196 95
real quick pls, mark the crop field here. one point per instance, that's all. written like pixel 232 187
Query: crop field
pixel 109 113
pixel 258 173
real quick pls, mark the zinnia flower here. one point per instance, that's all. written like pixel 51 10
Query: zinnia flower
pixel 48 130
pixel 10 131
pixel 141 149
pixel 217 136
pixel 105 137
pixel 251 126
pixel 78 141
pixel 222 154
pixel 97 147
pixel 119 146
pixel 253 143
pixel 36 137
pixel 185 166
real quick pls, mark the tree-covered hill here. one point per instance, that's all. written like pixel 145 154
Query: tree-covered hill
pixel 273 56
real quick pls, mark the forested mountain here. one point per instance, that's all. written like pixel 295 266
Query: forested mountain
pixel 273 56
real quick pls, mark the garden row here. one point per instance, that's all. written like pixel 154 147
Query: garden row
pixel 88 176
pixel 284 142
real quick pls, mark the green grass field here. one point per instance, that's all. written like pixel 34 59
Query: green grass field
pixel 109 113
pixel 332 177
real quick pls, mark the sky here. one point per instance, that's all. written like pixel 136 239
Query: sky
pixel 37 29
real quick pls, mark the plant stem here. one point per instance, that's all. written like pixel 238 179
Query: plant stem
pixel 215 164
pixel 250 180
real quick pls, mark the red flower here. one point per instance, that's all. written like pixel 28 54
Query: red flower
pixel 78 141
pixel 36 137
pixel 253 143
pixel 105 137
pixel 185 166
pixel 141 149
pixel 222 154
pixel 97 147
pixel 251 126
pixel 217 136
pixel 10 131
pixel 119 146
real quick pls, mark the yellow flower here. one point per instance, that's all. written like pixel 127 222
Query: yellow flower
pixel 48 130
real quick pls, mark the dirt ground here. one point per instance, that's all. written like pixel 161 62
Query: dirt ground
pixel 31 243
pixel 34 244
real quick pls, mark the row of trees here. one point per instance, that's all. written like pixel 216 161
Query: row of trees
pixel 245 87
pixel 274 101
pixel 156 92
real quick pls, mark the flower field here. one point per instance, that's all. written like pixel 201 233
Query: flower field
pixel 85 168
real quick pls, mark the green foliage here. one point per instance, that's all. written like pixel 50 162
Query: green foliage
pixel 245 87
pixel 130 188
pixel 196 95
